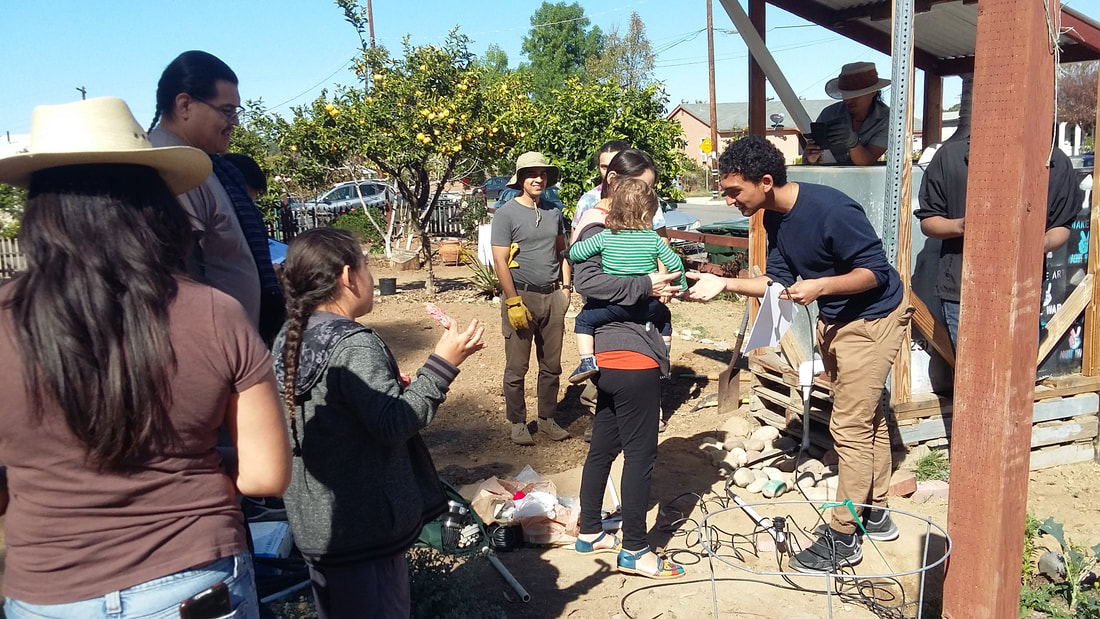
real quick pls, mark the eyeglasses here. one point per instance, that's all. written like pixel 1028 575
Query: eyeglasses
pixel 230 112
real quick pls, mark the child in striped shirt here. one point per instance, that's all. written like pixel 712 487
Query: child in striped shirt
pixel 628 248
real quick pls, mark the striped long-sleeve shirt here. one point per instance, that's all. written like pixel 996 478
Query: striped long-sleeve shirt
pixel 629 253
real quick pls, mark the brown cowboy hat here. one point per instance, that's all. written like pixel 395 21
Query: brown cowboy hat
pixel 100 130
pixel 531 160
pixel 855 79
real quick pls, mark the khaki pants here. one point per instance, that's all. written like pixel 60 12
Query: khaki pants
pixel 545 331
pixel 858 356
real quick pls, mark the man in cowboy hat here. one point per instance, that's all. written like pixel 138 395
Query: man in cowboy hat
pixel 528 240
pixel 856 129
pixel 199 105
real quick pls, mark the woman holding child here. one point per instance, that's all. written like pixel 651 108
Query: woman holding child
pixel 631 360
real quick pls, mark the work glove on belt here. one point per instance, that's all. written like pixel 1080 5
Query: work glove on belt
pixel 513 249
pixel 518 314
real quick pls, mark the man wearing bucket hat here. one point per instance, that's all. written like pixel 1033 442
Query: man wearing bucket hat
pixel 855 130
pixel 199 105
pixel 104 328
pixel 528 240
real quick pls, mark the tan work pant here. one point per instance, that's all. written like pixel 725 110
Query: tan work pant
pixel 858 356
pixel 545 331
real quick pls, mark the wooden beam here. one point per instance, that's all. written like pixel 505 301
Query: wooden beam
pixel 758 103
pixel 1066 315
pixel 711 239
pixel 934 329
pixel 758 253
pixel 1090 355
pixel 999 317
pixel 1083 32
pixel 932 127
pixel 857 31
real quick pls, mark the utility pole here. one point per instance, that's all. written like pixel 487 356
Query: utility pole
pixel 370 23
pixel 713 154
pixel 83 92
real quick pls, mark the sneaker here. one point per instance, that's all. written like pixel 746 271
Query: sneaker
pixel 552 430
pixel 829 552
pixel 879 525
pixel 587 369
pixel 521 435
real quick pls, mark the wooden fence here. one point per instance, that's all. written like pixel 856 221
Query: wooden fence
pixel 446 220
pixel 11 259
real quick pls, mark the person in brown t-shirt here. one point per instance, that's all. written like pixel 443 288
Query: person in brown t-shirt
pixel 117 495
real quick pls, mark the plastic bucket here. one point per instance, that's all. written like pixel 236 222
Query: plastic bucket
pixel 387 286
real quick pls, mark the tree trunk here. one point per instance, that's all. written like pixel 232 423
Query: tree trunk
pixel 426 251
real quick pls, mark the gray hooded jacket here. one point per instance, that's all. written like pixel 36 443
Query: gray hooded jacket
pixel 363 482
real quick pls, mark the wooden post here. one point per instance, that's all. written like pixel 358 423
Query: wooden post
pixel 758 102
pixel 1090 360
pixel 758 105
pixel 932 123
pixel 998 323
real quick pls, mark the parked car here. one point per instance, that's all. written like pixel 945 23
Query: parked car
pixel 550 195
pixel 343 196
pixel 675 220
pixel 491 188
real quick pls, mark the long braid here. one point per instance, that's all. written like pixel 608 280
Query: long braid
pixel 156 118
pixel 297 316
pixel 315 261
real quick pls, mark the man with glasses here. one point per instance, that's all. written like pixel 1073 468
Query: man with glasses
pixel 198 105
pixel 528 240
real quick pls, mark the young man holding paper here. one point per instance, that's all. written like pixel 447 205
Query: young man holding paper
pixel 821 247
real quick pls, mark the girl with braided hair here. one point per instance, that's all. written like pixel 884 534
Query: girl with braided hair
pixel 363 482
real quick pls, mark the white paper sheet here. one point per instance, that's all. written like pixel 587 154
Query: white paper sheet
pixel 772 321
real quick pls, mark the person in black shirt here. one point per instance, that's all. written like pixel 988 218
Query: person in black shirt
pixel 942 215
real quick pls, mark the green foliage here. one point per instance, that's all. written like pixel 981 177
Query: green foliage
pixel 1079 600
pixel 577 119
pixel 933 466
pixel 473 212
pixel 438 589
pixel 12 200
pixel 625 60
pixel 558 46
pixel 356 222
pixel 1031 532
pixel 484 277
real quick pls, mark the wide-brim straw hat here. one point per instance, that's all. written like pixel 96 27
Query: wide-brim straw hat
pixel 100 130
pixel 533 159
pixel 855 79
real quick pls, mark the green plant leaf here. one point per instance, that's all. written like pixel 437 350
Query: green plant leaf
pixel 1054 529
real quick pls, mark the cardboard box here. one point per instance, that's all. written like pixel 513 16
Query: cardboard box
pixel 271 539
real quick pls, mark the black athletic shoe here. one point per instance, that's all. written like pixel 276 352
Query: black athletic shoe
pixel 880 527
pixel 829 552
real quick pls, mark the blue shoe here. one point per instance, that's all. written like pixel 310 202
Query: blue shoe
pixel 589 548
pixel 587 369
pixel 666 570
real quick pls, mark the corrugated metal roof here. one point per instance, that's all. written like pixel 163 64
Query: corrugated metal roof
pixel 945 31
pixel 732 116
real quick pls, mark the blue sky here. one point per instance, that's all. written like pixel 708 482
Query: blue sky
pixel 286 51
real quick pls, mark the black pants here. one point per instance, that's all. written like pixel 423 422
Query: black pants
pixel 627 408
pixel 378 588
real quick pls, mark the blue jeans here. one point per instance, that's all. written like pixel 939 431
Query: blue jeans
pixel 599 313
pixel 951 319
pixel 158 598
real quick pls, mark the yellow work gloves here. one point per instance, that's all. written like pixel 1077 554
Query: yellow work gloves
pixel 513 249
pixel 518 314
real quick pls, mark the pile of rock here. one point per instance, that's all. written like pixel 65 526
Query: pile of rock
pixel 762 461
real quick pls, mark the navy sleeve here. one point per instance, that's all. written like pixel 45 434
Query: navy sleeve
pixel 777 268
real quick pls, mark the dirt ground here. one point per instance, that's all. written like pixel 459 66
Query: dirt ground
pixel 469 441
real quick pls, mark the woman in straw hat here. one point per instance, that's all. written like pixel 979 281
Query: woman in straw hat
pixel 855 129
pixel 116 371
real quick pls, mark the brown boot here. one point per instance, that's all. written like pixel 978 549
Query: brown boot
pixel 552 430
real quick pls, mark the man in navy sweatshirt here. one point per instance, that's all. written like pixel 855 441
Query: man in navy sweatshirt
pixel 821 247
